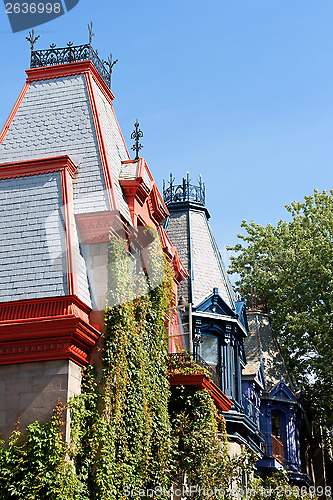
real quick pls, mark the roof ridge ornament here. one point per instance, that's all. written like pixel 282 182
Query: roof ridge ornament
pixel 91 34
pixel 136 135
pixel 110 63
pixel 32 39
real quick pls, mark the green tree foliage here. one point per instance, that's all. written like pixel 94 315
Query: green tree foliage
pixel 291 268
pixel 277 487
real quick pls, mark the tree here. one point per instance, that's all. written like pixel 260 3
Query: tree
pixel 291 268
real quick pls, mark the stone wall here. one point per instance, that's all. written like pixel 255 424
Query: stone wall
pixel 30 391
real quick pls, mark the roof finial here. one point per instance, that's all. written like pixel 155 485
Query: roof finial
pixel 110 64
pixel 136 134
pixel 91 34
pixel 32 39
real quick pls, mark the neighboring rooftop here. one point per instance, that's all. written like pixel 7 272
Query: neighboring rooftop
pixel 261 346
pixel 189 230
pixel 176 193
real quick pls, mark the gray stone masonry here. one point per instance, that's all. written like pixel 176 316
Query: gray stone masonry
pixel 30 391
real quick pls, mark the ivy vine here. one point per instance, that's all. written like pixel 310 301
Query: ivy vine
pixel 129 432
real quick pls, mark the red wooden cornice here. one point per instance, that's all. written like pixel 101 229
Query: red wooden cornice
pixel 37 166
pixel 200 381
pixel 69 69
pixel 96 227
pixel 68 305
pixel 134 189
pixel 157 206
pixel 46 329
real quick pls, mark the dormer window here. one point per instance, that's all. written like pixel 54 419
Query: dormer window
pixel 209 349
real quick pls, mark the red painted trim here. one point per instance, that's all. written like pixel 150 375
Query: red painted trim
pixel 200 381
pixel 69 222
pixel 44 308
pixel 141 167
pixel 97 227
pixel 135 188
pixel 37 166
pixel 102 85
pixel 113 201
pixel 14 111
pixel 129 161
pixel 44 329
pixel 143 201
pixel 69 69
pixel 103 88
pixel 44 339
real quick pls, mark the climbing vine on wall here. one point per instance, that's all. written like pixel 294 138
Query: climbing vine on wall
pixel 128 435
pixel 127 445
pixel 200 447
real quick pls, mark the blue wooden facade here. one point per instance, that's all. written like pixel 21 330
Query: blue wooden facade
pixel 218 318
pixel 242 355
pixel 278 401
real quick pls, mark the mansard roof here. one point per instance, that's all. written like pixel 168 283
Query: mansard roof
pixel 261 346
pixel 207 265
pixel 189 229
pixel 69 111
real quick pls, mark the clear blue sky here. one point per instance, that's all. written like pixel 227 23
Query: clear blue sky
pixel 238 90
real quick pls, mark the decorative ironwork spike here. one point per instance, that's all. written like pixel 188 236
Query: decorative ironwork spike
pixel 91 34
pixel 32 39
pixel 136 135
pixel 110 65
pixel 53 45
pixel 70 44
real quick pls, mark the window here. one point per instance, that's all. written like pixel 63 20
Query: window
pixel 276 426
pixel 209 349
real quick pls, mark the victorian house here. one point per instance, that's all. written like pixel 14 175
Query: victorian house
pixel 236 345
pixel 214 318
pixel 67 183
pixel 269 390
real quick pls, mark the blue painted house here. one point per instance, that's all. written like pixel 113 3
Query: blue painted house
pixel 237 346
pixel 268 386
pixel 217 320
